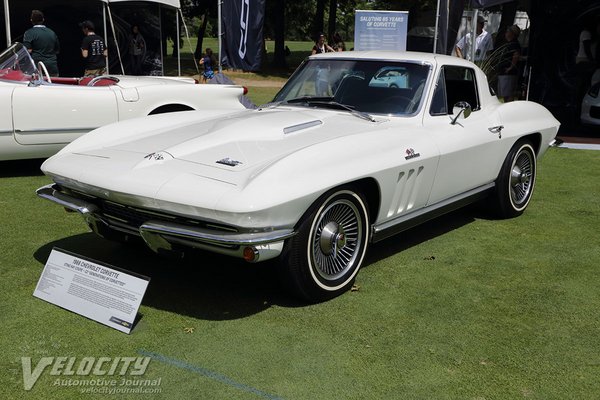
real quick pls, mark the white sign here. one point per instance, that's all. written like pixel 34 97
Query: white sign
pixel 380 30
pixel 105 294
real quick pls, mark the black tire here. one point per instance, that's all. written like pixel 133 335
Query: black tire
pixel 515 184
pixel 322 260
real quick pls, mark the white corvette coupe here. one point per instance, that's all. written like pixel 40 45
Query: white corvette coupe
pixel 39 115
pixel 337 161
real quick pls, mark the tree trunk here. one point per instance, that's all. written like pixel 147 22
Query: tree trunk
pixel 279 30
pixel 318 22
pixel 201 31
pixel 332 20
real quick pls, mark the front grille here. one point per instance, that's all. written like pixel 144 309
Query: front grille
pixel 595 112
pixel 133 217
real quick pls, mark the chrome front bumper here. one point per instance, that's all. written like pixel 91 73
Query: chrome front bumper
pixel 161 235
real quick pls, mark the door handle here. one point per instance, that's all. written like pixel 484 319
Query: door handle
pixel 497 129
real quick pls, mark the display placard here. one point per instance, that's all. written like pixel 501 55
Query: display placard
pixel 104 293
pixel 380 30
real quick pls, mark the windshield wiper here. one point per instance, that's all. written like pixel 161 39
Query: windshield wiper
pixel 329 102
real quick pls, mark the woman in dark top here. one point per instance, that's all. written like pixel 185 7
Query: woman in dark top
pixel 320 46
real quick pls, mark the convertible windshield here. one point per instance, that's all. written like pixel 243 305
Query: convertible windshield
pixel 374 87
pixel 16 64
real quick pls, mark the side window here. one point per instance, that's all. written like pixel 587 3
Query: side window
pixel 458 84
pixel 438 103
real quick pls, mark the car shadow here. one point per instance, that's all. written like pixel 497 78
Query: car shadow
pixel 19 168
pixel 214 287
pixel 425 232
pixel 202 285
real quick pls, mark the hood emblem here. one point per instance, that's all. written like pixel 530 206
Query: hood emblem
pixel 229 161
pixel 410 153
pixel 155 156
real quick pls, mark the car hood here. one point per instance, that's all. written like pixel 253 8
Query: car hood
pixel 237 142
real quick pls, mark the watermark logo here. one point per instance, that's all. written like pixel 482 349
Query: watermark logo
pixel 88 366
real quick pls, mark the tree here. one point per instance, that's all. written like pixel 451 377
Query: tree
pixel 279 54
pixel 197 8
pixel 318 21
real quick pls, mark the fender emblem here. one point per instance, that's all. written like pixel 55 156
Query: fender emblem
pixel 410 153
pixel 154 156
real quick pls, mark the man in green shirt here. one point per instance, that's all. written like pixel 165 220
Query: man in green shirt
pixel 42 43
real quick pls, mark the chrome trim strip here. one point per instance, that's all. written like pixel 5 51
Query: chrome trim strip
pixel 379 228
pixel 37 131
pixel 49 193
pixel 156 234
pixel 299 127
pixel 151 228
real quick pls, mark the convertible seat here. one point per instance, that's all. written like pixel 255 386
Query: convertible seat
pixel 101 82
pixel 65 81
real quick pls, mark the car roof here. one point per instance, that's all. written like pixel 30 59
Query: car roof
pixel 392 55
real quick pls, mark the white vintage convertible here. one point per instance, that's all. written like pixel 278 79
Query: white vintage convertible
pixel 40 114
pixel 337 161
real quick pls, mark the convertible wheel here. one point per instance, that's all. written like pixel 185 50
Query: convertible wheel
pixel 515 184
pixel 324 258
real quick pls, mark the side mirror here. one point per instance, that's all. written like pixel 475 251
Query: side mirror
pixel 461 109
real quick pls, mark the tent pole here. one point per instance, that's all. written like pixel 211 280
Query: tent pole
pixel 162 54
pixel 112 25
pixel 437 20
pixel 187 35
pixel 178 49
pixel 473 48
pixel 219 2
pixel 7 22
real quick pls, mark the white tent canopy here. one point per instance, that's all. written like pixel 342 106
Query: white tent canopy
pixel 170 3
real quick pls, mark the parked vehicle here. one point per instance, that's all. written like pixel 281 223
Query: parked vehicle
pixel 40 114
pixel 316 176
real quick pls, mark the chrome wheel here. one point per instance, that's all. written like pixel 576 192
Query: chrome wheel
pixel 337 236
pixel 516 181
pixel 521 178
pixel 322 260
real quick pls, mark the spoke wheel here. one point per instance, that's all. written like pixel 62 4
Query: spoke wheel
pixel 336 240
pixel 521 178
pixel 322 260
pixel 515 184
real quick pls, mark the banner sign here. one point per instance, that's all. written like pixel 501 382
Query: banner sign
pixel 380 30
pixel 243 33
pixel 103 293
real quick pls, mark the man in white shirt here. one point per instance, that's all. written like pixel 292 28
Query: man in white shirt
pixel 483 43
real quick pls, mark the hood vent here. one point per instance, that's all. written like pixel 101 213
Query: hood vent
pixel 299 127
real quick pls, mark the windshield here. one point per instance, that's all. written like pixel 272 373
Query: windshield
pixel 375 87
pixel 16 64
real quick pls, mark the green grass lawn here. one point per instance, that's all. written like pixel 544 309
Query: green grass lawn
pixel 463 307
pixel 298 51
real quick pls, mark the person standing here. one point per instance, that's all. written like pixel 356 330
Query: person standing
pixel 137 48
pixel 42 43
pixel 508 71
pixel 93 50
pixel 483 42
pixel 208 61
pixel 320 46
pixel 585 63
